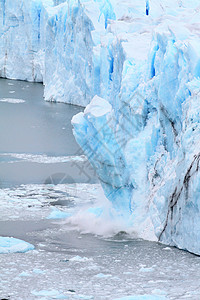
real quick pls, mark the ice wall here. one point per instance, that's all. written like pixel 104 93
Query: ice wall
pixel 22 39
pixel 143 137
pixel 68 61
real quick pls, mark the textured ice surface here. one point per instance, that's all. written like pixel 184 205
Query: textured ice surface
pixel 12 245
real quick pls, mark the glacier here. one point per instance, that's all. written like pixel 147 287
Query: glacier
pixel 135 66
pixel 142 134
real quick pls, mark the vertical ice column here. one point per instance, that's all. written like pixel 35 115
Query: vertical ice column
pixel 147 7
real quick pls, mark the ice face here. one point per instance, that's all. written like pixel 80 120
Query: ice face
pixel 69 58
pixel 22 39
pixel 145 146
pixel 138 65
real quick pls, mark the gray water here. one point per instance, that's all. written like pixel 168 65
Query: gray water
pixel 36 129
pixel 67 263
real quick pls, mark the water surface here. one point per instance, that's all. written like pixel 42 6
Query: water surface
pixel 36 137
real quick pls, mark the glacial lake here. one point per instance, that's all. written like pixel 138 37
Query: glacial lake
pixel 45 176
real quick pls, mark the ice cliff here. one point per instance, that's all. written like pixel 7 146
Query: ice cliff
pixel 141 132
pixel 136 64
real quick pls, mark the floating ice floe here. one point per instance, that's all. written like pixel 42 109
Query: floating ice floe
pixel 25 274
pixel 58 214
pixel 80 259
pixel 50 294
pixel 146 270
pixel 12 245
pixel 12 100
pixel 143 297
pixel 83 297
pixel 101 275
pixel 38 271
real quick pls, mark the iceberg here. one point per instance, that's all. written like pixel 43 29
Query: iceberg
pixel 135 66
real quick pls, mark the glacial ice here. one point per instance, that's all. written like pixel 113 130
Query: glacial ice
pixel 12 245
pixel 143 142
pixel 137 65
